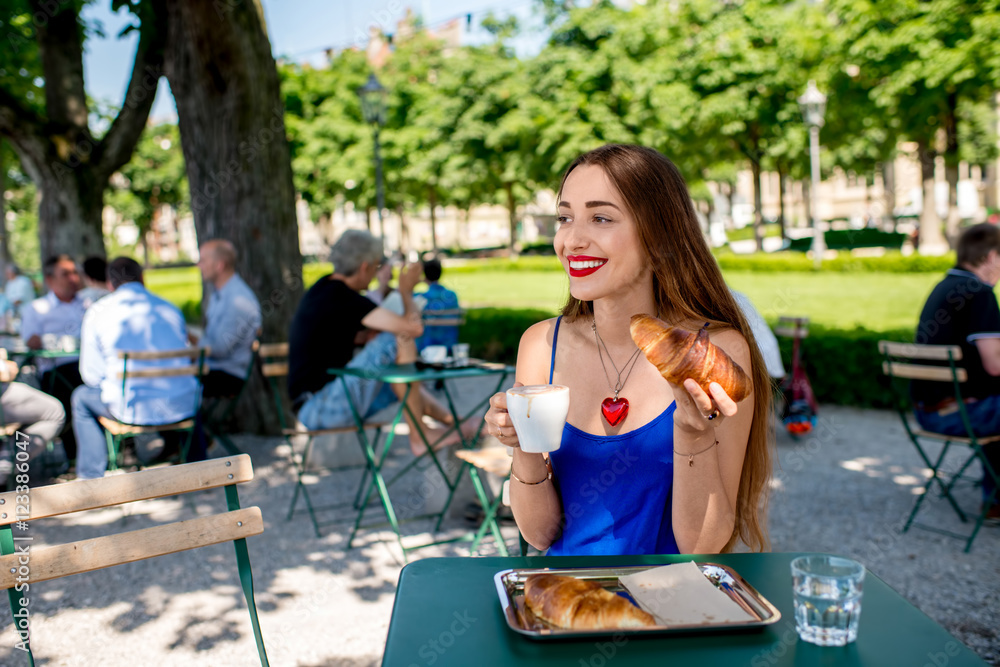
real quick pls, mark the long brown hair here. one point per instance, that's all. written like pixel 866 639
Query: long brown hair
pixel 688 288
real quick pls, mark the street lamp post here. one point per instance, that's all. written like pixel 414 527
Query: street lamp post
pixel 372 96
pixel 813 104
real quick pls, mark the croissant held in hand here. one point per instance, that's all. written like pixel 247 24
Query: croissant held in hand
pixel 577 604
pixel 680 354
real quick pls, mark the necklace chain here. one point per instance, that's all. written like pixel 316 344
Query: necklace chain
pixel 629 365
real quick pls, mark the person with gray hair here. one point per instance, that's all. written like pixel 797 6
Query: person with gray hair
pixel 333 320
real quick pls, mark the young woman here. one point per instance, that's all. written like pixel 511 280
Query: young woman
pixel 685 471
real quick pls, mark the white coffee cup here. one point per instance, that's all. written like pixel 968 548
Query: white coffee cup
pixel 434 354
pixel 539 415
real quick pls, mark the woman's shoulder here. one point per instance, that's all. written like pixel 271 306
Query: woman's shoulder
pixel 540 333
pixel 535 351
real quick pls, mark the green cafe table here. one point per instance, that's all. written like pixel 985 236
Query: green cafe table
pixel 447 613
pixel 17 350
pixel 409 374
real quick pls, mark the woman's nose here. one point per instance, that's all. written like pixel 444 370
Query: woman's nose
pixel 574 239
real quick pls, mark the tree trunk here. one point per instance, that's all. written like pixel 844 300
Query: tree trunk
pixel 432 199
pixel 512 213
pixel 69 212
pixel 781 203
pixel 461 220
pixel 404 231
pixel 730 195
pixel 889 193
pixel 69 168
pixel 931 240
pixel 223 78
pixel 951 168
pixel 758 215
pixel 4 242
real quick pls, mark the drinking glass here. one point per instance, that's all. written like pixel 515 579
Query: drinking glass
pixel 460 354
pixel 827 592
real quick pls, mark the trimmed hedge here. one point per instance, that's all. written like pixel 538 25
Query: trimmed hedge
pixel 844 365
pixel 891 262
pixel 837 239
pixel 494 333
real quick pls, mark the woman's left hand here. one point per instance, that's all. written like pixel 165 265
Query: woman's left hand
pixel 699 412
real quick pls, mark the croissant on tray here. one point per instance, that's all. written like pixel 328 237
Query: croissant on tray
pixel 576 604
pixel 680 354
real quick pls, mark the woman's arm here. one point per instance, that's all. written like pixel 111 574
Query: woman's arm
pixel 536 506
pixel 707 476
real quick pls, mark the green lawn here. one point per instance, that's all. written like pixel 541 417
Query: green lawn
pixel 876 301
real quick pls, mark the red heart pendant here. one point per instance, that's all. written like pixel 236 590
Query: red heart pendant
pixel 615 410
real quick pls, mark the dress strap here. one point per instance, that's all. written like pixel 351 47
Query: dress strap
pixel 555 339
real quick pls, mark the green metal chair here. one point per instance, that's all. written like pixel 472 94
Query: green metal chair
pixel 51 562
pixel 115 431
pixel 273 359
pixel 908 361
pixel 494 461
pixel 216 414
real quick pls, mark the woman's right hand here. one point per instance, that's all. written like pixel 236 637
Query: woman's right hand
pixel 498 421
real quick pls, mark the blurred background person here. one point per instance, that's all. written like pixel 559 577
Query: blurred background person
pixel 766 340
pixel 436 297
pixel 19 289
pixel 95 280
pixel 383 287
pixel 232 320
pixel 41 416
pixel 59 313
pixel 131 318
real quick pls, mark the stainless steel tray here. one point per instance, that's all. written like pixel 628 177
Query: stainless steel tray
pixel 510 588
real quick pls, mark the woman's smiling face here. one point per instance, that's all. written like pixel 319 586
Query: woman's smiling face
pixel 597 241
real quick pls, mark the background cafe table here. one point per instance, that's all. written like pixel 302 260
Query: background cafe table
pixel 409 374
pixel 17 350
pixel 447 613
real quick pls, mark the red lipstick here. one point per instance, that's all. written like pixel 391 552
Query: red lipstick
pixel 579 273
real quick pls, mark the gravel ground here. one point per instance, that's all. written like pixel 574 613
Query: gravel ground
pixel 845 490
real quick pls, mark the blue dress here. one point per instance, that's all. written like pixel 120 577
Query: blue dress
pixel 615 489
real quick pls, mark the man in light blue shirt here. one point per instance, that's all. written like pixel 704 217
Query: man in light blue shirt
pixel 133 319
pixel 231 320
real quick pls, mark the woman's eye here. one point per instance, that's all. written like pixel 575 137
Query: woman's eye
pixel 562 219
pixel 601 219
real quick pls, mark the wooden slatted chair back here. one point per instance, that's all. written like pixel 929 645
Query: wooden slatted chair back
pixel 197 368
pixel 273 359
pixel 45 502
pixel 908 361
pixel 452 317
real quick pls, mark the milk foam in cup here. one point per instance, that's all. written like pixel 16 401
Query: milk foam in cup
pixel 539 415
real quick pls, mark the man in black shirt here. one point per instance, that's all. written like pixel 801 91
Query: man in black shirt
pixel 962 310
pixel 332 320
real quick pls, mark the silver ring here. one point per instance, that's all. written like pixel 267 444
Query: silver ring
pixel 712 415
